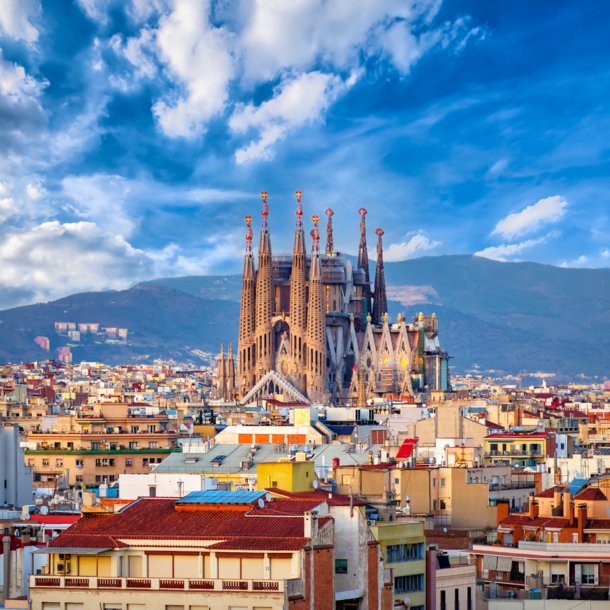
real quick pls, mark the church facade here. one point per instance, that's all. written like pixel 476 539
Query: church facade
pixel 312 328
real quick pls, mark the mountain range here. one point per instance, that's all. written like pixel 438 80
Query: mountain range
pixel 493 316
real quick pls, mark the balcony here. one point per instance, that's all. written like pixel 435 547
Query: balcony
pixel 292 587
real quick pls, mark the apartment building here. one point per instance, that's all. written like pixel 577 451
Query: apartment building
pixel 519 448
pixel 207 550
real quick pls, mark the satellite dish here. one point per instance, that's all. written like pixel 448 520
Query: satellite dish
pixel 315 485
pixel 268 497
pixel 27 516
pixel 444 530
pixel 408 498
pixel 44 510
pixel 261 503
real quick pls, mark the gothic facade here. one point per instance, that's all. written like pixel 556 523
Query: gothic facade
pixel 311 327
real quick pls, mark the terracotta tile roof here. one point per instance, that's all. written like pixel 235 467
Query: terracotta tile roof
pixel 598 524
pixel 591 493
pixel 92 542
pixel 331 498
pixel 159 519
pixel 550 492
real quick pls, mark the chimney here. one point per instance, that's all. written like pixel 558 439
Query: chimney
pixel 568 510
pixel 556 497
pixel 533 508
pixel 311 524
pixel 431 577
pixel 582 521
pixel 502 510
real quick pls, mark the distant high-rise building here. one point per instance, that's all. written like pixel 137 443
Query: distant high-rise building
pixel 43 342
pixel 306 321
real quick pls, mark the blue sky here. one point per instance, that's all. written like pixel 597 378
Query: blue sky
pixel 136 134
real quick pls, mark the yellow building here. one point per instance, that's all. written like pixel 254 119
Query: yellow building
pixel 403 549
pixel 288 476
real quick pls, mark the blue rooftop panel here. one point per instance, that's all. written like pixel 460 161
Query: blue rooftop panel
pixel 222 497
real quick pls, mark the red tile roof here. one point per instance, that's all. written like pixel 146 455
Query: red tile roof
pixel 591 493
pixel 550 492
pixel 158 519
pixel 331 498
pixel 598 524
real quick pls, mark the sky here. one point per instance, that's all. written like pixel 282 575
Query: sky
pixel 135 135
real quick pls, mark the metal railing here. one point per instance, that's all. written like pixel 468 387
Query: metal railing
pixel 293 587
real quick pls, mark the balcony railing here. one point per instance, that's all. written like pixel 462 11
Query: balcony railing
pixel 293 587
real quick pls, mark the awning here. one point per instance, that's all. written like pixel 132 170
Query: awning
pixel 490 562
pixel 506 529
pixel 504 564
pixel 68 550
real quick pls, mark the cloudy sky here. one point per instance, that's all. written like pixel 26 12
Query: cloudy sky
pixel 136 134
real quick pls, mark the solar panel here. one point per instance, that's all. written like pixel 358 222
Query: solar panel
pixel 222 497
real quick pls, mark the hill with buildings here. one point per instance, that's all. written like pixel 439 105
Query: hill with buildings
pixel 161 322
pixel 507 317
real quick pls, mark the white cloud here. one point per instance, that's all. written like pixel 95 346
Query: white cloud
pixel 199 57
pixel 102 199
pixel 16 16
pixel 137 51
pixel 8 208
pixel 14 82
pixel 505 251
pixel 96 10
pixel 34 192
pixel 605 253
pixel 544 211
pixel 55 259
pixel 406 249
pixel 295 101
pixel 577 262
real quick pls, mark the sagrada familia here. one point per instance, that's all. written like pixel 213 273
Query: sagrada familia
pixel 312 330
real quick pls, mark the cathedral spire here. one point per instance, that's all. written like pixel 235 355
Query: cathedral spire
pixel 316 323
pixel 265 300
pixel 330 247
pixel 361 400
pixel 298 300
pixel 380 303
pixel 247 321
pixel 221 374
pixel 363 261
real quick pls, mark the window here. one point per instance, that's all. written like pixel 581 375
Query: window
pixel 443 601
pixel 557 578
pixel 433 482
pixel 80 463
pixel 59 462
pixel 80 478
pixel 135 429
pixel 340 566
pixel 469 598
pixel 442 482
pixel 98 461
pixel 105 462
pixel 45 462
pixel 396 481
pixel 98 478
pixel 128 462
pixel 152 429
pixel 112 478
pixel 111 461
pixel 145 462
pixel 95 446
pixel 152 491
pixel 433 504
pixel 443 505
pixel 404 552
pixel 133 445
pixel 588 574
pixel 345 479
pixel 405 584
pixel 457 599
pixel 152 444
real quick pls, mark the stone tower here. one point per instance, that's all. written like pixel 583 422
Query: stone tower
pixel 230 373
pixel 221 374
pixel 363 263
pixel 316 323
pixel 380 302
pixel 330 247
pixel 298 301
pixel 265 301
pixel 246 353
